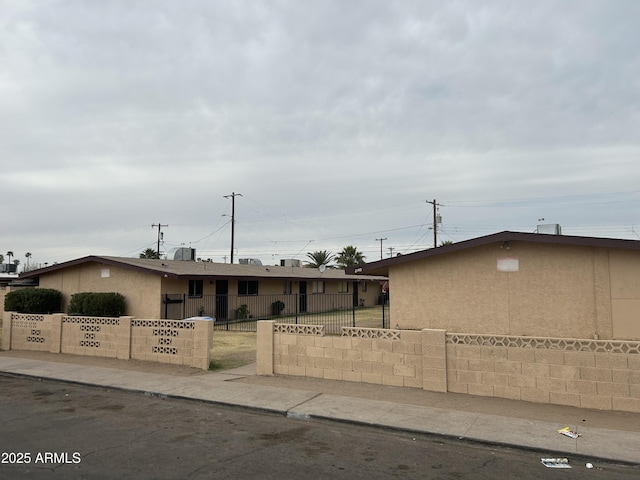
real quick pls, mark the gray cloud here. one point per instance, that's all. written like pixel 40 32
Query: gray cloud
pixel 335 120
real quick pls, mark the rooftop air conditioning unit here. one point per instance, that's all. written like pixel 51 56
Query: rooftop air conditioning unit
pixel 183 253
pixel 250 261
pixel 550 229
pixel 290 262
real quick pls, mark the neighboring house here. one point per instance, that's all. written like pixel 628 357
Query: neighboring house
pixel 522 284
pixel 156 288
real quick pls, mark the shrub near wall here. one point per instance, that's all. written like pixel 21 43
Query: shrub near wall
pixel 97 304
pixel 33 300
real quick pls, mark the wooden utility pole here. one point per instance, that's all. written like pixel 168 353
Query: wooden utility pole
pixel 380 240
pixel 435 222
pixel 159 225
pixel 233 218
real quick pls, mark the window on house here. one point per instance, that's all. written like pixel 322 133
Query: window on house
pixel 318 286
pixel 195 288
pixel 363 286
pixel 288 287
pixel 248 287
pixel 343 287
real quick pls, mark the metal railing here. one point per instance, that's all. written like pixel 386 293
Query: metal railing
pixel 241 312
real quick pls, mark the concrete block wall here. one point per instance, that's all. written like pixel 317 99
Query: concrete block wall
pixel 602 375
pixel 31 332
pixel 377 356
pixel 96 336
pixel 166 341
pixel 598 374
pixel 176 342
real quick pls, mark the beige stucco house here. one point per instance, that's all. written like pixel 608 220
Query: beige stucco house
pixel 518 284
pixel 156 288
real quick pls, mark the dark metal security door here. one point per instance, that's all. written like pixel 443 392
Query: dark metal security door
pixel 222 299
pixel 303 297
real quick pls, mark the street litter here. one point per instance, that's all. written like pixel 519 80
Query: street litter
pixel 555 462
pixel 566 431
pixel 589 465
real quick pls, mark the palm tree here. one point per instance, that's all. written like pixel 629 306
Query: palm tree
pixel 149 253
pixel 319 258
pixel 349 256
pixel 9 254
pixel 28 256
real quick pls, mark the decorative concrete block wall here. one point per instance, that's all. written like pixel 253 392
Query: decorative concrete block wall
pixel 386 357
pixel 177 342
pixel 31 332
pixel 599 374
pixel 165 341
pixel 96 336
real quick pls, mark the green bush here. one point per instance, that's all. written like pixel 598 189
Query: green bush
pixel 97 304
pixel 33 300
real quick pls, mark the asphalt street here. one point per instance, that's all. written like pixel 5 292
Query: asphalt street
pixel 54 430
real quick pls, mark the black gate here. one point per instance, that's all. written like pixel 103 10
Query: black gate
pixel 241 312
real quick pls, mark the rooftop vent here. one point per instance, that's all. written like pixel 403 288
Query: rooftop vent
pixel 550 229
pixel 250 261
pixel 183 253
pixel 290 262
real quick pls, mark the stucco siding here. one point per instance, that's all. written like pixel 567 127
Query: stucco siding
pixel 462 292
pixel 527 289
pixel 553 293
pixel 625 294
pixel 141 291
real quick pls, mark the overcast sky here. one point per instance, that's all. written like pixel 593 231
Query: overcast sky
pixel 336 121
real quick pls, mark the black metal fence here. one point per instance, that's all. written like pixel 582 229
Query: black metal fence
pixel 241 312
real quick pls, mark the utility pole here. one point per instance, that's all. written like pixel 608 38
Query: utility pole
pixel 159 225
pixel 435 222
pixel 233 217
pixel 390 251
pixel 380 240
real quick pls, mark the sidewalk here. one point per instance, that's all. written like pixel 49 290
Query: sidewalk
pixel 613 436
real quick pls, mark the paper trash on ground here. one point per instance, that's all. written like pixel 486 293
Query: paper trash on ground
pixel 555 462
pixel 566 431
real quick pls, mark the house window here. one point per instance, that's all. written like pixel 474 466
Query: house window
pixel 195 288
pixel 288 284
pixel 248 287
pixel 363 287
pixel 343 287
pixel 318 286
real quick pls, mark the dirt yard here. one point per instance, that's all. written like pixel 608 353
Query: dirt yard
pixel 232 349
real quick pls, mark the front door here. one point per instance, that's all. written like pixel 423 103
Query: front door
pixel 303 297
pixel 222 299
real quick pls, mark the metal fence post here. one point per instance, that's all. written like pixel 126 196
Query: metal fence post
pixel 353 315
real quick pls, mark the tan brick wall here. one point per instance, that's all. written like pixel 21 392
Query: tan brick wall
pixel 31 332
pixel 384 357
pixel 96 337
pixel 577 372
pixel 172 341
pixel 582 373
pixel 166 341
